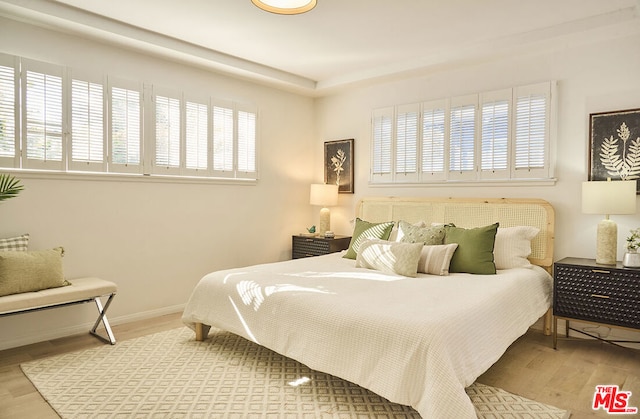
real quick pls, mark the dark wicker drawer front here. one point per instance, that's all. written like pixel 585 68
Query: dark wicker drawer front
pixel 305 247
pixel 599 295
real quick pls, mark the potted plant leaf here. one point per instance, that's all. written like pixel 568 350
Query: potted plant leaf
pixel 10 187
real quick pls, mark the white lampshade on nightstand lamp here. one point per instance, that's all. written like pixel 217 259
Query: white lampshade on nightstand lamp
pixel 608 198
pixel 325 196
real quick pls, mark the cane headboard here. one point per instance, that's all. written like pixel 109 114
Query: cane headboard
pixel 468 213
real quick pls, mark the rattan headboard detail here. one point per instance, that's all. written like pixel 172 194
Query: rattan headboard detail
pixel 468 213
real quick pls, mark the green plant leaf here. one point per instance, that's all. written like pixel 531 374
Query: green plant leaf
pixel 10 187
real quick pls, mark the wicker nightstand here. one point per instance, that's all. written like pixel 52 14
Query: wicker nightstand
pixel 303 246
pixel 600 294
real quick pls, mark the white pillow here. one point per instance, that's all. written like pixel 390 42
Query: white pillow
pixel 390 257
pixel 435 259
pixel 513 246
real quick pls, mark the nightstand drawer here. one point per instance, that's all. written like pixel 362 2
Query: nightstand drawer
pixel 303 247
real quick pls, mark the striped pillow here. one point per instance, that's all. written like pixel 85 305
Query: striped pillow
pixel 366 230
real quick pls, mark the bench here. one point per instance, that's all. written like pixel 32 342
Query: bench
pixel 81 290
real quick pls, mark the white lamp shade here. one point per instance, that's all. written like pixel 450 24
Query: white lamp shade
pixel 609 197
pixel 324 195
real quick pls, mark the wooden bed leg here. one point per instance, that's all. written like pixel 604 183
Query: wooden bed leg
pixel 202 330
pixel 548 319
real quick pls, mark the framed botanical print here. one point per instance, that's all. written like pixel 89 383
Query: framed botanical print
pixel 338 164
pixel 614 145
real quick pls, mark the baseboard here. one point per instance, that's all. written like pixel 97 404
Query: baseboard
pixel 83 328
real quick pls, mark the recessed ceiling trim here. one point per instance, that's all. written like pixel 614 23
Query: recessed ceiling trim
pixel 285 7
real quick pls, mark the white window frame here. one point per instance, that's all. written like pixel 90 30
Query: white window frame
pixel 465 103
pixel 240 171
pixel 504 95
pixel 49 70
pixel 176 133
pixel 405 162
pixel 199 101
pixel 12 62
pixel 434 175
pixel 382 172
pixel 382 158
pixel 80 165
pixel 134 87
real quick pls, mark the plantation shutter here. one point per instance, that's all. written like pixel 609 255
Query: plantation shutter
pixel 125 128
pixel 8 115
pixel 42 120
pixel 532 130
pixel 462 134
pixel 88 126
pixel 197 138
pixel 246 139
pixel 223 133
pixel 494 134
pixel 406 156
pixel 382 129
pixel 433 140
pixel 167 134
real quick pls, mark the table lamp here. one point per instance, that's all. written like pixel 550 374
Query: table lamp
pixel 607 198
pixel 324 195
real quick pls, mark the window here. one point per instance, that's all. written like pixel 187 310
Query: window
pixel 381 145
pixel 500 135
pixel 88 125
pixel 8 115
pixel 433 143
pixel 66 120
pixel 42 120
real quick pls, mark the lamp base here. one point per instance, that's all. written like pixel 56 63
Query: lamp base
pixel 325 221
pixel 607 244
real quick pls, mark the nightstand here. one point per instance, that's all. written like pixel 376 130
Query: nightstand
pixel 304 246
pixel 601 294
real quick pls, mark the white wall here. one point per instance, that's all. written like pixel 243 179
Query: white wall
pixel 591 78
pixel 157 239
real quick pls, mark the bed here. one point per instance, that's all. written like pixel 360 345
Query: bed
pixel 415 340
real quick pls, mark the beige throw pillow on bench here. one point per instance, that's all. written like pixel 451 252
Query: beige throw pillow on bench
pixel 31 270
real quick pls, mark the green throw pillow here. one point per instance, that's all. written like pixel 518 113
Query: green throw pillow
pixel 390 257
pixel 474 254
pixel 427 235
pixel 366 230
pixel 30 270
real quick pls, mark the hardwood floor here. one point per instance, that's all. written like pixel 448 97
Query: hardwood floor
pixel 565 377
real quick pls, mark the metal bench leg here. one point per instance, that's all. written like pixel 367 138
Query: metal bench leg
pixel 102 317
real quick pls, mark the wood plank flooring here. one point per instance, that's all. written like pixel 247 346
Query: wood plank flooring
pixel 565 377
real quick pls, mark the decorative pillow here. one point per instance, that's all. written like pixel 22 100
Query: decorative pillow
pixel 20 243
pixel 31 270
pixel 395 235
pixel 435 259
pixel 390 257
pixel 474 254
pixel 426 235
pixel 366 230
pixel 513 246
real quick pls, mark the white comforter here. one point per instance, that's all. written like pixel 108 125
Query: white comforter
pixel 415 341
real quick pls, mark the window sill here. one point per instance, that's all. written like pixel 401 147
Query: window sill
pixel 467 183
pixel 124 177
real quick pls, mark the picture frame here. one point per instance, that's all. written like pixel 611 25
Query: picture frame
pixel 338 164
pixel 614 145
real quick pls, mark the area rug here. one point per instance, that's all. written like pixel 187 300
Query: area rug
pixel 168 375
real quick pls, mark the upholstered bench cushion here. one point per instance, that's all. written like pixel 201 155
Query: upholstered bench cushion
pixel 80 289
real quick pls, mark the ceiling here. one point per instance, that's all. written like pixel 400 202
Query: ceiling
pixel 340 43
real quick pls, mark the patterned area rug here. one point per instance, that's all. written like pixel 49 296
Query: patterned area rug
pixel 169 375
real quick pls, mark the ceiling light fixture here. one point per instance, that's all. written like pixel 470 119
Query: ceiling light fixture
pixel 285 7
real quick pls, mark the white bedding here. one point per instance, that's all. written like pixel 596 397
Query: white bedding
pixel 415 341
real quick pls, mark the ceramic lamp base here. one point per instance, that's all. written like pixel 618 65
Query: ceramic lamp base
pixel 325 221
pixel 607 246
